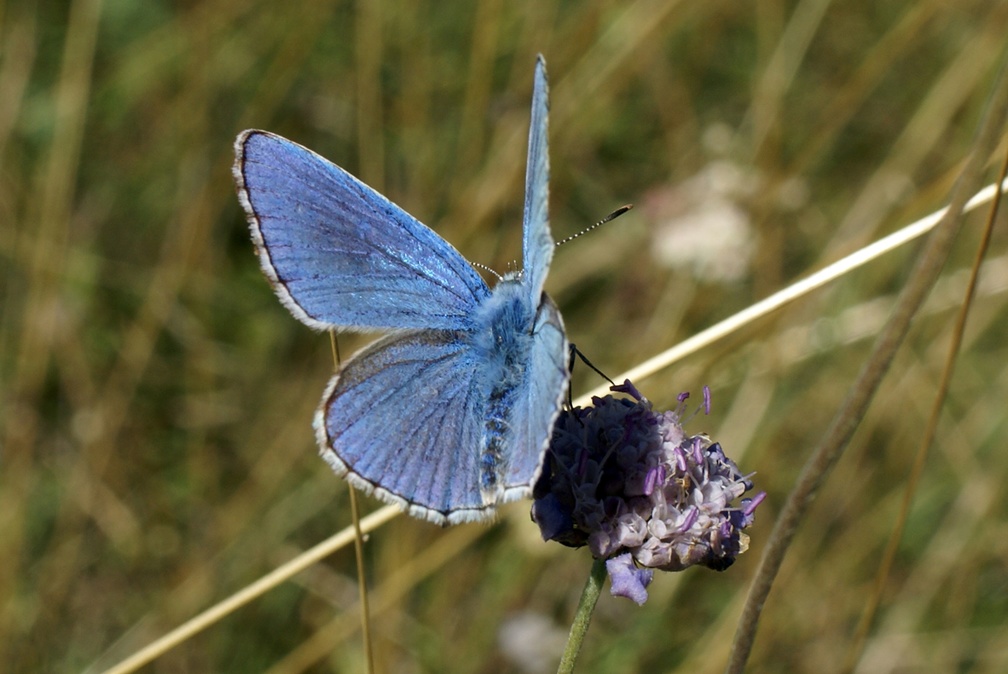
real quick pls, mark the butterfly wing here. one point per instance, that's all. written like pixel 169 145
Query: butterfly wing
pixel 544 384
pixel 341 255
pixel 535 410
pixel 449 459
pixel 403 420
pixel 537 242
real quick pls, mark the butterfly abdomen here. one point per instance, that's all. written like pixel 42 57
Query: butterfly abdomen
pixel 503 336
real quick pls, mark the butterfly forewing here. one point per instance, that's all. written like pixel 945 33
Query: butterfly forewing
pixel 341 255
pixel 537 242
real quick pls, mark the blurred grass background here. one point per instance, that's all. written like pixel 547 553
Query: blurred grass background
pixel 157 451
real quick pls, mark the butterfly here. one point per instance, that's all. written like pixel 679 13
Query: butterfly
pixel 449 414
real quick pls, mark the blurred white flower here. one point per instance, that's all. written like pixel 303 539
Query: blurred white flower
pixel 699 226
pixel 531 641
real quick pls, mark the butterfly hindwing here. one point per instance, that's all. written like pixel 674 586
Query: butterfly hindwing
pixel 533 413
pixel 403 419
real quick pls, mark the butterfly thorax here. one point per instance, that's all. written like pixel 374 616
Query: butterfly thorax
pixel 503 337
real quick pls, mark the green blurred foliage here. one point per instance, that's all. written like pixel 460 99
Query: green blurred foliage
pixel 156 452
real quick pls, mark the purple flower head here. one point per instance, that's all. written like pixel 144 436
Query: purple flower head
pixel 630 484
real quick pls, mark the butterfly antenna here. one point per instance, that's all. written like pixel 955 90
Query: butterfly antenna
pixel 612 216
pixel 487 269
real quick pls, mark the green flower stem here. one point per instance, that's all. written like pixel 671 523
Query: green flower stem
pixel 582 618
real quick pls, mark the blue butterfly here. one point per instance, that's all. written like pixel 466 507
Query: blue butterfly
pixel 450 414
